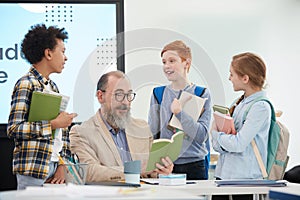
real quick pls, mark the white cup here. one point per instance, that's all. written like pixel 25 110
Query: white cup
pixel 132 170
pixel 132 178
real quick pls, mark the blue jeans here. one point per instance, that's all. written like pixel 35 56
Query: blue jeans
pixel 24 181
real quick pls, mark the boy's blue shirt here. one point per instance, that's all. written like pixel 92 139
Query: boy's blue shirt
pixel 194 147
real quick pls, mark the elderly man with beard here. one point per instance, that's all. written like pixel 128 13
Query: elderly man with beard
pixel 112 137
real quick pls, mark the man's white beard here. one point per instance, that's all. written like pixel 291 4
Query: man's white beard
pixel 116 121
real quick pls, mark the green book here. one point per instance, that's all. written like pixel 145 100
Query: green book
pixel 163 148
pixel 44 106
pixel 221 109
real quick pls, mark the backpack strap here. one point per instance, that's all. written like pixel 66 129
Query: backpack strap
pixel 259 159
pixel 199 91
pixel 253 143
pixel 273 117
pixel 158 93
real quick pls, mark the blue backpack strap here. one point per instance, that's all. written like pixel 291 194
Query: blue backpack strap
pixel 158 93
pixel 199 91
pixel 207 159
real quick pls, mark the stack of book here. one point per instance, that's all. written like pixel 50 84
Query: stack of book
pixel 223 120
pixel 250 183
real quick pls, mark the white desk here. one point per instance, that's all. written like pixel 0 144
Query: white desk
pixel 207 189
pixel 200 190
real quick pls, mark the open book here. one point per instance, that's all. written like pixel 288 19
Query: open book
pixel 165 147
pixel 46 105
pixel 192 107
pixel 224 123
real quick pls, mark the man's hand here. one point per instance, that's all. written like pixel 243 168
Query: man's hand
pixel 166 168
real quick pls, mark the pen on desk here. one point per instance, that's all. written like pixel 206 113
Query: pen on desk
pixel 191 182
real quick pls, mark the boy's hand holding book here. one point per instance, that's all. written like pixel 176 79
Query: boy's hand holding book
pixel 176 106
pixel 190 104
pixel 63 120
pixel 50 106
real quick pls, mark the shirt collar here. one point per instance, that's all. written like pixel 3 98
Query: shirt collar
pixel 254 96
pixel 38 75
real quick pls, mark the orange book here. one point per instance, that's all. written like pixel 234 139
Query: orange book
pixel 224 123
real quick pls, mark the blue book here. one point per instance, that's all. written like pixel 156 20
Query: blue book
pixel 288 193
pixel 250 183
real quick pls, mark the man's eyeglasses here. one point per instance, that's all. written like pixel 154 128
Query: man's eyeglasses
pixel 120 96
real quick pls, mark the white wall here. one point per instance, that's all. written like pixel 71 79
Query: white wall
pixel 216 30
